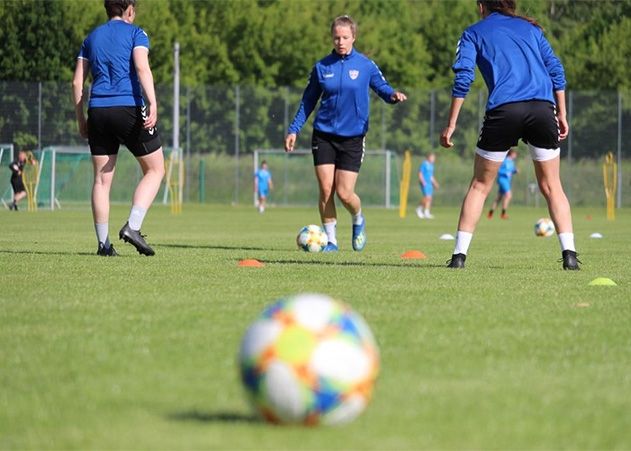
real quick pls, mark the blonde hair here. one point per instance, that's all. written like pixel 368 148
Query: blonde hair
pixel 344 21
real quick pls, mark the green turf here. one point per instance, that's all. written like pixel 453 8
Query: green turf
pixel 139 353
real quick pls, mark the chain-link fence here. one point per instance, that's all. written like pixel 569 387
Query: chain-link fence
pixel 220 127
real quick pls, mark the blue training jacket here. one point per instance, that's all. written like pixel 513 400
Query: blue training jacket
pixel 514 57
pixel 342 82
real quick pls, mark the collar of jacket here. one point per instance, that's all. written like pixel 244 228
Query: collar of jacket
pixel 345 57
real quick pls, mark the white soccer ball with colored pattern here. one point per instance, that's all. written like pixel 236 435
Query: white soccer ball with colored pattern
pixel 311 238
pixel 309 359
pixel 544 227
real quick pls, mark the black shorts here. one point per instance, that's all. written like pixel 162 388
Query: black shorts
pixel 345 153
pixel 534 121
pixel 110 127
pixel 17 184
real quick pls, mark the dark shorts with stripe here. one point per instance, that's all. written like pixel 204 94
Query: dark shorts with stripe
pixel 534 122
pixel 109 127
pixel 344 152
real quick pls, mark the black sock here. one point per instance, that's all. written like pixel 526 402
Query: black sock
pixel 503 211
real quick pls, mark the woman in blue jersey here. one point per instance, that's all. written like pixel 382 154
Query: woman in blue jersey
pixel 117 55
pixel 526 83
pixel 504 184
pixel 341 81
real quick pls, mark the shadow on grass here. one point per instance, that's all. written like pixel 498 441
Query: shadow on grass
pixel 213 417
pixel 347 263
pixel 8 251
pixel 217 247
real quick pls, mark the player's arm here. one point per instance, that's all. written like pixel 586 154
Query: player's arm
pixel 78 80
pixel 564 127
pixel 382 88
pixel 310 97
pixel 141 62
pixel 464 70
pixel 434 182
pixel 421 179
pixel 271 184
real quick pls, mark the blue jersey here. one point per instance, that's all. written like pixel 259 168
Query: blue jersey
pixel 263 177
pixel 507 169
pixel 109 50
pixel 514 57
pixel 427 170
pixel 342 83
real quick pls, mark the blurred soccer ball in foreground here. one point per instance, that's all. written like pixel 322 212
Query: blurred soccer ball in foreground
pixel 544 227
pixel 311 238
pixel 309 359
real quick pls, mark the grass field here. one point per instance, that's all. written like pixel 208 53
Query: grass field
pixel 140 353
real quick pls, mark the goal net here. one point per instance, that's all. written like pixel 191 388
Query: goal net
pixel 6 157
pixel 295 184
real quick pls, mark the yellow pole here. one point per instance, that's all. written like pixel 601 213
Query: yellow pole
pixel 405 183
pixel 30 175
pixel 610 178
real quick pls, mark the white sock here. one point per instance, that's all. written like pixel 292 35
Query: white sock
pixel 102 234
pixel 463 240
pixel 329 228
pixel 427 213
pixel 358 218
pixel 136 216
pixel 567 241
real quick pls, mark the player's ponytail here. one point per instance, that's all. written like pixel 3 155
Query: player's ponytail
pixel 506 7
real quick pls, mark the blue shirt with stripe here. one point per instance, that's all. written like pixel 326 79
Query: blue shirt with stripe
pixel 342 84
pixel 109 50
pixel 514 57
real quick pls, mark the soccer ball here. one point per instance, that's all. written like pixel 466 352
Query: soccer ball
pixel 309 359
pixel 544 227
pixel 312 238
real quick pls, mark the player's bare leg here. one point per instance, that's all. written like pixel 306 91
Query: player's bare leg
pixel 548 177
pixel 104 167
pixel 484 173
pixel 345 182
pixel 325 173
pixel 152 166
pixel 153 172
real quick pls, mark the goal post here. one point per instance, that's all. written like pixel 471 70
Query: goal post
pixel 295 184
pixel 6 157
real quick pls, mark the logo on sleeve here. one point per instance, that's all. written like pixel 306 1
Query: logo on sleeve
pixel 353 74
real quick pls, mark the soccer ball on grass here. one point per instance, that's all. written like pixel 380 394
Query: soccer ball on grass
pixel 544 227
pixel 309 359
pixel 311 238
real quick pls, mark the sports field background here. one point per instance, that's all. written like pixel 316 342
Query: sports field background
pixel 140 353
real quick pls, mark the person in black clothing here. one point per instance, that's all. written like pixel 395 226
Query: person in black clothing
pixel 19 191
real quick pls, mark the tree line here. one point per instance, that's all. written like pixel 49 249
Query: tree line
pixel 269 45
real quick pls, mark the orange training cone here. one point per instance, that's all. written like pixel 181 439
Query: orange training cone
pixel 413 255
pixel 251 263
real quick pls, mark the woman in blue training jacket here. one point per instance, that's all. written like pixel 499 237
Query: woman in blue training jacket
pixel 526 83
pixel 341 81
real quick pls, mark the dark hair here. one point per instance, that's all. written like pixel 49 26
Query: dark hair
pixel 263 162
pixel 506 7
pixel 344 21
pixel 116 8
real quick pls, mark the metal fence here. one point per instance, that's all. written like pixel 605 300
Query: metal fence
pixel 236 120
